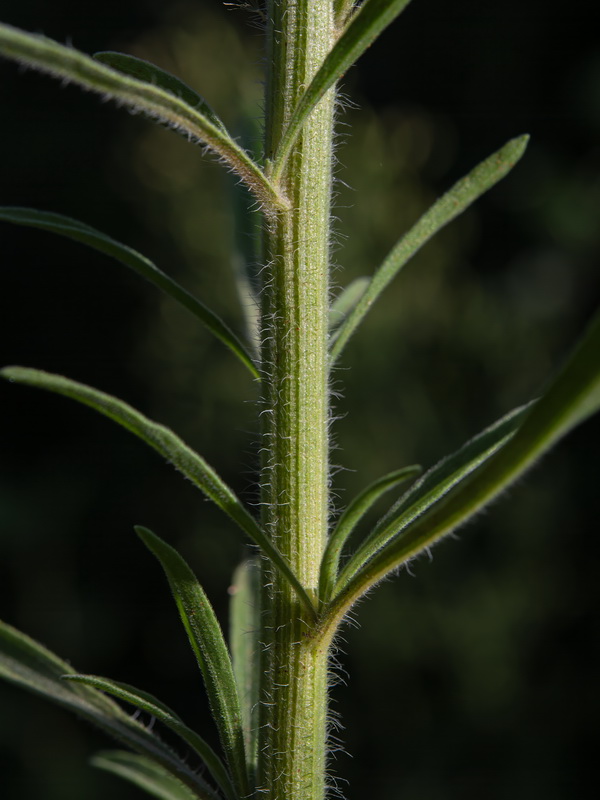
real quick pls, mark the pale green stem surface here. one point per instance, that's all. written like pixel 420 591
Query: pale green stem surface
pixel 295 414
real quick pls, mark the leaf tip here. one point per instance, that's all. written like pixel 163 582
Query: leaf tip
pixel 9 373
pixel 517 146
pixel 153 542
pixel 145 534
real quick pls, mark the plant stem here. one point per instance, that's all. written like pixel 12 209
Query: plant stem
pixel 292 738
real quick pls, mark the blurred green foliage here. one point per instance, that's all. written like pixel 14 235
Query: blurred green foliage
pixel 477 676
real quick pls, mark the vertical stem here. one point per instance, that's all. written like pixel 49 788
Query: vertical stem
pixel 293 714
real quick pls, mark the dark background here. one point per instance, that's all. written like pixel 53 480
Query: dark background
pixel 476 676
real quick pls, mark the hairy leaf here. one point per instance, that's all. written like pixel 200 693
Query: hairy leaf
pixel 159 104
pixel 28 664
pixel 80 232
pixel 150 73
pixel 159 437
pixel 570 399
pixel 350 519
pixel 169 445
pixel 436 483
pixel 208 644
pixel 443 211
pixel 150 704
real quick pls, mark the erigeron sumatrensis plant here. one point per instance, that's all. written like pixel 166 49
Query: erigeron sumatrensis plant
pixel 268 688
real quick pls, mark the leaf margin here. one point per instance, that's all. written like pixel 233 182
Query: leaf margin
pixel 208 643
pixel 244 642
pixel 40 52
pixel 350 518
pixel 156 708
pixel 148 72
pixel 143 773
pixel 83 233
pixel 173 449
pixel 40 671
pixel 426 492
pixel 569 399
pixel 450 205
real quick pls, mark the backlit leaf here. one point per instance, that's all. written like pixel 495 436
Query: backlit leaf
pixel 171 447
pixel 350 519
pixel 443 211
pixel 436 483
pixel 570 399
pixel 208 644
pixel 150 73
pixel 159 104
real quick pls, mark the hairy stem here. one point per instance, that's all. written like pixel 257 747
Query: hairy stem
pixel 295 415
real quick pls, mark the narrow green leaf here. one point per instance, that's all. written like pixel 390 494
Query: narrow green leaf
pixel 165 442
pixel 171 447
pixel 436 482
pixel 31 666
pixel 150 73
pixel 570 399
pixel 346 301
pixel 156 102
pixel 144 773
pixel 159 437
pixel 80 232
pixel 363 27
pixel 348 521
pixel 443 211
pixel 148 703
pixel 244 626
pixel 206 639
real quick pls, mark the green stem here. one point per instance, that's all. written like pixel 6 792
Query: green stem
pixel 296 414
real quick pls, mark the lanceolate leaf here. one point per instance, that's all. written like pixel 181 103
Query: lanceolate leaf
pixel 433 486
pixel 28 664
pixel 363 28
pixel 206 638
pixel 572 397
pixel 146 702
pixel 80 232
pixel 443 211
pixel 159 437
pixel 169 445
pixel 245 625
pixel 143 773
pixel 150 73
pixel 350 519
pixel 140 96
